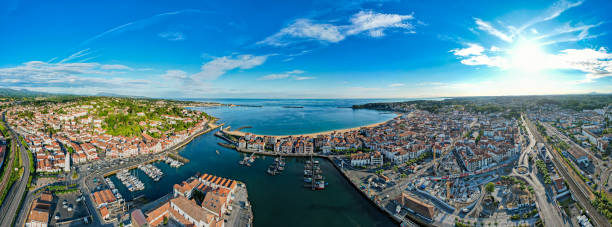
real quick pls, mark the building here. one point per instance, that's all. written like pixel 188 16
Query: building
pixel 39 214
pixel 417 207
pixel 364 159
pixel 182 208
pixel 578 156
pixel 138 219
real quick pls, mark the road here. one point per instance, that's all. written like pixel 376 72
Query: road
pixel 548 209
pixel 13 199
pixel 577 189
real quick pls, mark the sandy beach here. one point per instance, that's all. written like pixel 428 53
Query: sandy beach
pixel 240 133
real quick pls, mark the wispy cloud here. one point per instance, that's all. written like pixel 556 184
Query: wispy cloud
pixel 372 23
pixel 303 78
pixel 275 76
pixel 524 50
pixel 175 75
pixel 375 23
pixel 172 36
pixel 549 14
pixel 115 67
pixel 41 74
pixel 294 74
pixel 218 66
pixel 487 27
pixel 74 56
pixel 305 29
pixel 138 24
pixel 397 85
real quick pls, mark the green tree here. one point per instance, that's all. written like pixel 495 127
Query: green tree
pixel 490 187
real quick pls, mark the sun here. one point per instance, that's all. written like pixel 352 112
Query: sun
pixel 527 56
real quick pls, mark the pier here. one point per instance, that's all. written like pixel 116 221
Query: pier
pixel 176 156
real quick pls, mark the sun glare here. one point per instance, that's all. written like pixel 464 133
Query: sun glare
pixel 528 56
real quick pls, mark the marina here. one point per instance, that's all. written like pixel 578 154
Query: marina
pixel 113 189
pixel 151 171
pixel 131 182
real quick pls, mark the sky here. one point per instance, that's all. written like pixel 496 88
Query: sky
pixel 307 49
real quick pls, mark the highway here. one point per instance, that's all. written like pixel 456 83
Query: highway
pixel 581 194
pixel 11 204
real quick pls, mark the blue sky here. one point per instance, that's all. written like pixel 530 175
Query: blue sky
pixel 307 49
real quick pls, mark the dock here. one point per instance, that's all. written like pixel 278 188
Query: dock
pixel 178 157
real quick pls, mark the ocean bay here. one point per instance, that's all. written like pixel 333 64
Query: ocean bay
pixel 281 199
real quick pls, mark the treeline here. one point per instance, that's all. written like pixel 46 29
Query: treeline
pixel 509 106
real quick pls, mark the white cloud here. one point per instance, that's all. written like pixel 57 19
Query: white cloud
pixel 296 71
pixel 290 74
pixel 371 22
pixel 115 67
pixel 596 63
pixel 220 65
pixel 172 36
pixel 138 24
pixel 275 76
pixel 303 78
pixel 487 27
pixel 175 74
pixel 397 85
pixel 494 61
pixel 472 49
pixel 375 22
pixel 304 28
pixel 76 55
pixel 44 74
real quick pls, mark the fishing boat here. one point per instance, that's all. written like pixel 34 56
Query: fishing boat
pixel 272 170
pixel 307 179
pixel 252 158
pixel 320 185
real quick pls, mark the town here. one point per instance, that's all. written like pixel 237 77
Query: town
pixel 452 165
pixel 468 168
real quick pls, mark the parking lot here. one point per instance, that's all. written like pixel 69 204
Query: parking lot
pixel 68 208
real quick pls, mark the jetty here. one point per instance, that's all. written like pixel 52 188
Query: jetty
pixel 227 145
pixel 153 172
pixel 312 175
pixel 131 182
pixel 173 162
pixel 178 157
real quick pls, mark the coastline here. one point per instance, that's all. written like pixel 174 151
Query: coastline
pixel 315 134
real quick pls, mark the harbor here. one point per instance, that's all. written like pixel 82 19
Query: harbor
pixel 270 206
